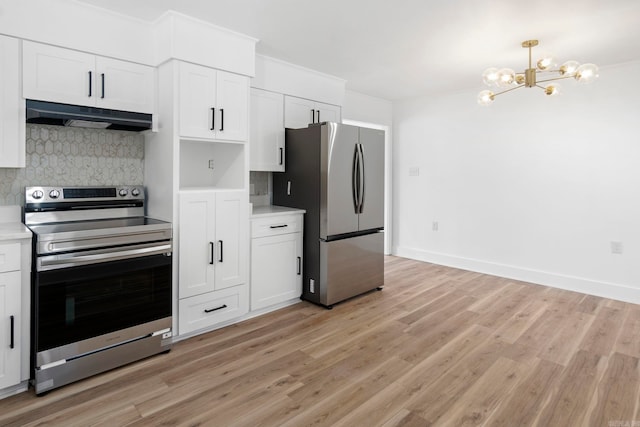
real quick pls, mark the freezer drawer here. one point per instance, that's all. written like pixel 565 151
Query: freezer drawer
pixel 349 267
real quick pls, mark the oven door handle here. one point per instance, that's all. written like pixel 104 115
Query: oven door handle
pixel 74 259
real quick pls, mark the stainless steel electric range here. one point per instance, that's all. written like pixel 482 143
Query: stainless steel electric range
pixel 101 281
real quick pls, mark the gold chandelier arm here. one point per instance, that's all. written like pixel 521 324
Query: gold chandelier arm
pixel 508 90
pixel 557 78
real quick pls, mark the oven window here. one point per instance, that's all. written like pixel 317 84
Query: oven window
pixel 78 303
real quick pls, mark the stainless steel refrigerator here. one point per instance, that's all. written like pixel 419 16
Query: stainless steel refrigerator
pixel 336 173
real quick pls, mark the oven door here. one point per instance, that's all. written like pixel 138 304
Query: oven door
pixel 79 310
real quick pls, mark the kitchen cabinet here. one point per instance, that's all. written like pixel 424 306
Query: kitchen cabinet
pixel 10 315
pixel 214 104
pixel 213 257
pixel 12 110
pixel 212 241
pixel 267 131
pixel 276 259
pixel 67 76
pixel 300 112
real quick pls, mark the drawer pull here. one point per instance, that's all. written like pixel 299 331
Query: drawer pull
pixel 211 253
pixel 210 310
pixel 299 265
pixel 279 226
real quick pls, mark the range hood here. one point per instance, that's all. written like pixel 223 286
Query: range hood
pixel 52 113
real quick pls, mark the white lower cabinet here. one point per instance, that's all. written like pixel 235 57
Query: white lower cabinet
pixel 209 309
pixel 276 260
pixel 10 315
pixel 213 252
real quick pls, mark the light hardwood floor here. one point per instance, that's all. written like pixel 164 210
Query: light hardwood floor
pixel 438 346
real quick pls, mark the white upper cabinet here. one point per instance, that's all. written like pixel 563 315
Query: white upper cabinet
pixel 267 131
pixel 299 112
pixel 70 77
pixel 214 105
pixel 124 85
pixel 12 126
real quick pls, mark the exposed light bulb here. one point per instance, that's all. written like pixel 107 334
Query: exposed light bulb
pixel 490 76
pixel 485 98
pixel 546 62
pixel 520 79
pixel 569 67
pixel 586 73
pixel 506 76
pixel 552 89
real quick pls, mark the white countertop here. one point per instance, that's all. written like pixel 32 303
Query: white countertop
pixel 10 226
pixel 273 210
pixel 13 231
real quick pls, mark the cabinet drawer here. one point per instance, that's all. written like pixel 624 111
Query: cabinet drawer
pixel 9 257
pixel 274 225
pixel 206 310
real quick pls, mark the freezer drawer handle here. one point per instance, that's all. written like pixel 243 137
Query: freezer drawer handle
pixel 211 310
pixel 13 321
pixel 299 265
pixel 279 226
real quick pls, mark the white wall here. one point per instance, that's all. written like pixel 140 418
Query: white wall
pixel 532 187
pixel 364 108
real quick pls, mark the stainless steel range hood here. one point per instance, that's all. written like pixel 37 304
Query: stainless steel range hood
pixel 52 113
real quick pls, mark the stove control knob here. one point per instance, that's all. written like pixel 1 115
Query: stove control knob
pixel 123 192
pixel 135 192
pixel 54 194
pixel 37 194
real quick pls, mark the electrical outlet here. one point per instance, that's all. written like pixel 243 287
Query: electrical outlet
pixel 312 286
pixel 210 164
pixel 434 226
pixel 616 248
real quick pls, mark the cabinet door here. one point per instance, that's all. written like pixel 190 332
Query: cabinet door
pixel 298 112
pixel 58 75
pixel 276 264
pixel 196 246
pixel 232 109
pixel 10 329
pixel 124 85
pixel 197 101
pixel 12 126
pixel 232 244
pixel 267 131
pixel 327 113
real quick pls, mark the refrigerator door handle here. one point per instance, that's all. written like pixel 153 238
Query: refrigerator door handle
pixel 362 178
pixel 355 184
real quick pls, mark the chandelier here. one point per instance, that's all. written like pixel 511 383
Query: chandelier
pixel 544 71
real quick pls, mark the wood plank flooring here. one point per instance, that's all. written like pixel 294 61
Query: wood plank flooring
pixel 438 346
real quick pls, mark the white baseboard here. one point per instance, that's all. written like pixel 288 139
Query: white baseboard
pixel 571 283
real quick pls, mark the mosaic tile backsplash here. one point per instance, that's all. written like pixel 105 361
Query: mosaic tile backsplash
pixel 60 156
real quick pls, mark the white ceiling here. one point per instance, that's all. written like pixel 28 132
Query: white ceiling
pixel 397 49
